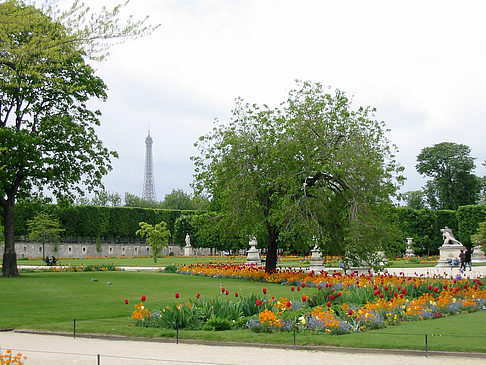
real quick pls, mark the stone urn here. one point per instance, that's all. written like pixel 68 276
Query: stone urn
pixel 409 252
pixel 253 254
pixel 316 263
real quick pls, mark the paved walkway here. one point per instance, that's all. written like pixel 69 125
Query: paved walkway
pixel 57 350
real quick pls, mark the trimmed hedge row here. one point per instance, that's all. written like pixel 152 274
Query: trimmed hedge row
pixel 122 222
pixel 93 222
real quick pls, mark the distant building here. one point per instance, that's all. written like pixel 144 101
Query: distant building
pixel 148 192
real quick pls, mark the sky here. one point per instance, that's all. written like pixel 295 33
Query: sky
pixel 421 64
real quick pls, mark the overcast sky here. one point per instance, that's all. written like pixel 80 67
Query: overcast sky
pixel 420 63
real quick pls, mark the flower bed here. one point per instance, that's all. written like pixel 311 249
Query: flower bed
pixel 341 304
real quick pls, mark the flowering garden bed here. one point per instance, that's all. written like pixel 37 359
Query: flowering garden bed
pixel 341 304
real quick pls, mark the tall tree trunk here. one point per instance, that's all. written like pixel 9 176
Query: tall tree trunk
pixel 271 262
pixel 9 267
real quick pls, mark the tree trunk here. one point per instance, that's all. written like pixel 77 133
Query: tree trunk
pixel 9 267
pixel 272 254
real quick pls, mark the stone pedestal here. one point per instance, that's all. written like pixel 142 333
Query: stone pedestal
pixel 188 251
pixel 409 252
pixel 449 252
pixel 316 264
pixel 253 254
pixel 478 255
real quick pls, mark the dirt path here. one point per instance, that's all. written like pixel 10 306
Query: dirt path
pixel 57 350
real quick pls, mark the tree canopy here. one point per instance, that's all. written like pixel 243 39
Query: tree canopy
pixel 452 184
pixel 47 131
pixel 311 169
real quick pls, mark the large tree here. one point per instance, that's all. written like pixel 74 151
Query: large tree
pixel 452 184
pixel 313 168
pixel 47 135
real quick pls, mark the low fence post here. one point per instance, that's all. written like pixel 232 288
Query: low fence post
pixel 99 359
pixel 426 346
pixel 74 327
pixel 294 338
pixel 177 333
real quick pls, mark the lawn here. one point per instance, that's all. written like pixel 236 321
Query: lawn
pixel 296 261
pixel 52 300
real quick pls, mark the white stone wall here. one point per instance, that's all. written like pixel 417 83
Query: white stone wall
pixel 83 250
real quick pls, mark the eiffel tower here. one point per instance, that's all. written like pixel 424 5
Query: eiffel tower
pixel 148 192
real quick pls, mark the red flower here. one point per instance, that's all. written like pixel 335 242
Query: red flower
pixel 302 285
pixel 292 288
pixel 222 289
pixel 328 304
pixel 298 288
pixel 350 312
pixel 386 288
pixel 376 292
pixel 198 295
pixel 436 289
pixel 375 287
pixel 177 295
pixel 273 298
pixel 236 294
pixel 304 298
pixel 331 297
pixel 340 293
pixel 258 302
pixel 226 292
pixel 126 301
pixel 288 304
pixel 404 291
pixel 381 295
pixel 264 290
pixel 429 287
pixel 143 298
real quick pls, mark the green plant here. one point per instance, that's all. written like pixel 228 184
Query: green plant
pixel 171 268
pixel 218 324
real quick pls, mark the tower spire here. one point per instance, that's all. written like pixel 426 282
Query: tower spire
pixel 148 192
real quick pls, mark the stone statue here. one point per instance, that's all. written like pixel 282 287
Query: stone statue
pixel 449 237
pixel 188 240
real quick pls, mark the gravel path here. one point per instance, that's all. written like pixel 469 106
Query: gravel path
pixel 57 350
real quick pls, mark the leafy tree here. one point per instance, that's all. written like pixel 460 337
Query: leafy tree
pixel 103 198
pixel 313 164
pixel 132 200
pixel 178 199
pixel 44 228
pixel 47 135
pixel 415 199
pixel 450 166
pixel 156 236
pixel 480 236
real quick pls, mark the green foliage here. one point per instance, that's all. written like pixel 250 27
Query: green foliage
pixel 480 236
pixel 178 199
pixel 47 132
pixel 218 324
pixel 92 222
pixel 314 163
pixel 450 166
pixel 44 228
pixel 171 268
pixel 176 316
pixel 415 199
pixel 469 217
pixel 156 236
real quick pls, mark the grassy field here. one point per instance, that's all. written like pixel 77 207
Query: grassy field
pixel 177 260
pixel 52 300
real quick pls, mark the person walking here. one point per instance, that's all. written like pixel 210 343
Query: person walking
pixel 462 259
pixel 468 259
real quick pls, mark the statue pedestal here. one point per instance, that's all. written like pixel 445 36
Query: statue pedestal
pixel 449 252
pixel 478 255
pixel 188 252
pixel 253 254
pixel 316 264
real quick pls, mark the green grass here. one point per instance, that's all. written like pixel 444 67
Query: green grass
pixel 166 261
pixel 51 300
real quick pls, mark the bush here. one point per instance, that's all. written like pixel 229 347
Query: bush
pixel 218 324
